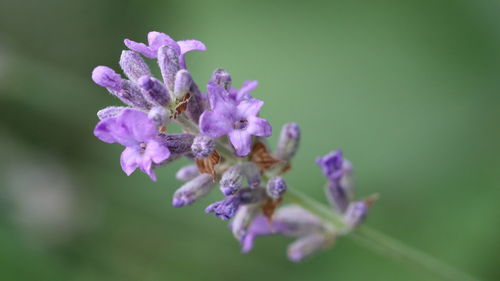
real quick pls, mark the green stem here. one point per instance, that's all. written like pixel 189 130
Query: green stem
pixel 380 242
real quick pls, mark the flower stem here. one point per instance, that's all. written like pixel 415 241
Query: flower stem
pixel 380 242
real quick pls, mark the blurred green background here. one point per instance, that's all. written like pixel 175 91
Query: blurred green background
pixel 410 90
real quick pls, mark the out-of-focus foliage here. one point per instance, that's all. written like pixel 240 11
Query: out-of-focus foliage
pixel 409 89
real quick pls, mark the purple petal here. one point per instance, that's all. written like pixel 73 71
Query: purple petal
pixel 214 125
pixel 156 152
pixel 250 107
pixel 107 77
pixel 138 124
pixel 147 167
pixel 108 130
pixel 241 141
pixel 140 48
pixel 129 160
pixel 157 39
pixel 244 92
pixel 259 127
pixel 191 45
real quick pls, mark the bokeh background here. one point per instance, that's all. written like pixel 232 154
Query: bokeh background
pixel 410 90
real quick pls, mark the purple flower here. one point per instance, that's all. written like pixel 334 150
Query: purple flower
pixel 134 130
pixel 237 120
pixel 331 165
pixel 227 208
pixel 158 39
pixel 292 221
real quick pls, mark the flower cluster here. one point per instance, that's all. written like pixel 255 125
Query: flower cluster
pixel 224 137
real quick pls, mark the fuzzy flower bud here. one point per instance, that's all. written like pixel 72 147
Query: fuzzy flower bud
pixel 133 65
pixel 187 173
pixel 308 245
pixel 252 173
pixel 202 146
pixel 132 95
pixel 107 77
pixel 168 61
pixel 232 180
pixel 226 209
pixel 193 190
pixel 243 219
pixel 355 213
pixel 276 187
pixel 110 111
pixel 154 90
pixel 178 143
pixel 182 83
pixel 288 142
pixel 159 115
pixel 222 77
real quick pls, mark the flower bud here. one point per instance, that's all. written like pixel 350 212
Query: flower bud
pixel 110 111
pixel 276 187
pixel 231 180
pixel 187 173
pixel 159 115
pixel 193 190
pixel 132 95
pixel 243 219
pixel 202 146
pixel 226 209
pixel 133 65
pixel 178 143
pixel 195 105
pixel 154 90
pixel 337 196
pixel 252 173
pixel 107 77
pixel 182 83
pixel 355 213
pixel 168 61
pixel 222 77
pixel 289 142
pixel 308 245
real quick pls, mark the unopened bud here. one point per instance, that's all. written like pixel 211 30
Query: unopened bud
pixel 356 213
pixel 110 111
pixel 154 90
pixel 276 187
pixel 107 77
pixel 178 143
pixel 289 142
pixel 307 246
pixel 187 172
pixel 168 61
pixel 243 219
pixel 193 190
pixel 159 115
pixel 202 146
pixel 131 94
pixel 222 77
pixel 252 173
pixel 231 180
pixel 133 65
pixel 182 83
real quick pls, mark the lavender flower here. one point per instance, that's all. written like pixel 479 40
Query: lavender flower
pixel 255 208
pixel 239 122
pixel 137 133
